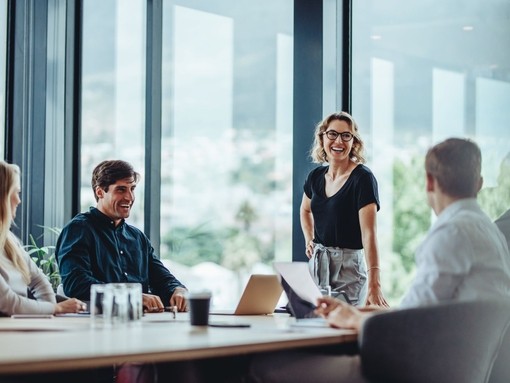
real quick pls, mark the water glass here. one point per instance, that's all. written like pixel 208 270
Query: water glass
pixel 101 305
pixel 135 301
pixel 114 304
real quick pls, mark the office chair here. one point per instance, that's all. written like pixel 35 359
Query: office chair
pixel 444 343
pixel 501 370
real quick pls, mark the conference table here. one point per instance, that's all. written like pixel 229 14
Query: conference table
pixel 35 345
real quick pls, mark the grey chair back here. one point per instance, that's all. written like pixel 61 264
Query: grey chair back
pixel 501 370
pixel 454 342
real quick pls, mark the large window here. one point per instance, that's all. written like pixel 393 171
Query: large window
pixel 113 91
pixel 423 72
pixel 231 155
pixel 227 140
pixel 3 62
pixel 226 145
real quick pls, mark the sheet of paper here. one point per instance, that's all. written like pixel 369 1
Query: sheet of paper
pixel 82 314
pixel 311 322
pixel 299 279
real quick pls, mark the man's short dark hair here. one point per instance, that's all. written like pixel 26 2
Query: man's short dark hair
pixel 108 172
pixel 456 163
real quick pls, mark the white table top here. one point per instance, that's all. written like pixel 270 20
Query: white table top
pixel 60 343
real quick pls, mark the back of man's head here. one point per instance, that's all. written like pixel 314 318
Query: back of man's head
pixel 456 164
pixel 108 172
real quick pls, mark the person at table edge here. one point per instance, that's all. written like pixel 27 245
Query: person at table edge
pixel 98 246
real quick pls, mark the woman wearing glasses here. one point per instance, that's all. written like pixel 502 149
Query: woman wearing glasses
pixel 338 214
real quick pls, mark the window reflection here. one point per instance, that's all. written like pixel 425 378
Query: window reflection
pixel 3 58
pixel 415 82
pixel 113 91
pixel 227 141
pixel 226 129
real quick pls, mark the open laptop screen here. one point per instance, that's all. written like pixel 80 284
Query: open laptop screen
pixel 260 297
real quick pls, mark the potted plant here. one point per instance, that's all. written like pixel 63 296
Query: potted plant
pixel 44 258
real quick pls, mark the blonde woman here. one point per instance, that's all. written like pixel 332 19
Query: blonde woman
pixel 18 273
pixel 338 213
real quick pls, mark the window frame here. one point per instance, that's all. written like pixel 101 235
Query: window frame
pixel 31 63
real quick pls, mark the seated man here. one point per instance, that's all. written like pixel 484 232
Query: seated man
pixel 100 247
pixel 464 257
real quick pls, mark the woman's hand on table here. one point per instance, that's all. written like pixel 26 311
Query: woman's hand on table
pixel 71 305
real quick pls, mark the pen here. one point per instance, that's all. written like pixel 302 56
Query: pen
pixel 172 309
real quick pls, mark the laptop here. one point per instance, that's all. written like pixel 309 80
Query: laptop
pixel 260 296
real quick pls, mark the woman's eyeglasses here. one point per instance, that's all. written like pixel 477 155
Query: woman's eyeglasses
pixel 333 135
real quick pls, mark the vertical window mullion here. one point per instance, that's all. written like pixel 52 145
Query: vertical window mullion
pixel 308 93
pixel 153 122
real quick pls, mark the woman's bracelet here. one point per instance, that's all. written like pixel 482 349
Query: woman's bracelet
pixel 373 267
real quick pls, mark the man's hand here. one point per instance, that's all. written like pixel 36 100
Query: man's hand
pixel 152 304
pixel 179 300
pixel 339 314
pixel 325 305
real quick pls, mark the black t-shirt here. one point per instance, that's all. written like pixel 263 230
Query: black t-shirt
pixel 336 218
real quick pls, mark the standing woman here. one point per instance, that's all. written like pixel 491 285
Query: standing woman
pixel 338 213
pixel 17 270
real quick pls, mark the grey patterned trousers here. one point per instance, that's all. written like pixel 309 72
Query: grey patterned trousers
pixel 340 269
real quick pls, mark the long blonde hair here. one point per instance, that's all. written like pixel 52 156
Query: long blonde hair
pixel 9 244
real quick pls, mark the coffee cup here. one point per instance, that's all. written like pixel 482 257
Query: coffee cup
pixel 199 303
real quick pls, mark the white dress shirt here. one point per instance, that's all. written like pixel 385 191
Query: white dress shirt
pixel 463 257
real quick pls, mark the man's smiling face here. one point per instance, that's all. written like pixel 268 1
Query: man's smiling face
pixel 117 200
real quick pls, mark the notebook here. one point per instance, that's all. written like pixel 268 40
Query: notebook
pixel 300 288
pixel 302 293
pixel 260 297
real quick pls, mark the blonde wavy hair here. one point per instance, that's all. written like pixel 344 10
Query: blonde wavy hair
pixel 9 244
pixel 317 153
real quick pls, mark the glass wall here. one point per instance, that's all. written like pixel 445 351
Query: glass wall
pixel 227 140
pixel 420 73
pixel 3 62
pixel 226 162
pixel 113 91
pixel 54 142
pixel 423 72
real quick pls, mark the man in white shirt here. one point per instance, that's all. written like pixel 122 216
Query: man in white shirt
pixel 463 257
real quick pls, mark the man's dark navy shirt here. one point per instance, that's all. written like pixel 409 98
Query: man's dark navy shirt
pixel 92 250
